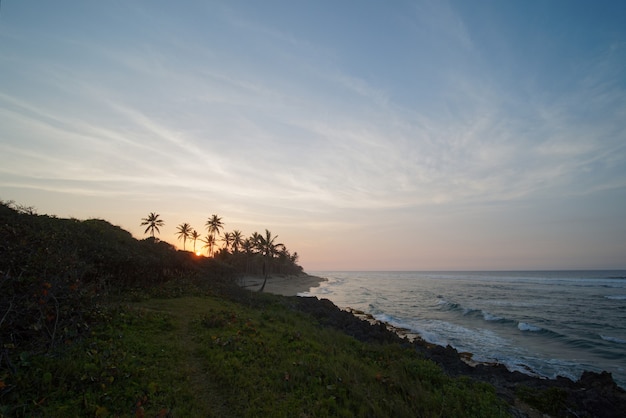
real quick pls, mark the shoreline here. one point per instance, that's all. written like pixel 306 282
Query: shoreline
pixel 294 285
pixel 593 391
pixel 284 285
pixel 415 338
pixel 363 326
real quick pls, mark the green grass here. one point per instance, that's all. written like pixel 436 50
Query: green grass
pixel 204 357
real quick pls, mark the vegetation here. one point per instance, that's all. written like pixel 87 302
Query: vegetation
pixel 214 226
pixel 194 236
pixel 96 323
pixel 153 222
pixel 261 256
pixel 184 232
pixel 552 400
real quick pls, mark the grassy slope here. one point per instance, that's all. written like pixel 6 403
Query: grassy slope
pixel 204 356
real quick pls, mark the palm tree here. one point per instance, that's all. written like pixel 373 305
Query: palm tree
pixel 268 249
pixel 254 240
pixel 248 247
pixel 194 236
pixel 209 242
pixel 237 240
pixel 184 232
pixel 214 224
pixel 227 239
pixel 153 223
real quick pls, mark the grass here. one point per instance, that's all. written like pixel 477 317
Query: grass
pixel 209 357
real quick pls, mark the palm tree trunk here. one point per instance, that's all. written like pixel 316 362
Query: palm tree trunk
pixel 265 275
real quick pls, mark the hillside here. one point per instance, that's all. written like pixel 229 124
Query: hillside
pixel 96 323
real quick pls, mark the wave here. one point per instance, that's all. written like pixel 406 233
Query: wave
pixel 525 326
pixel 613 339
pixel 616 297
pixel 490 317
pixel 449 306
pixel 486 315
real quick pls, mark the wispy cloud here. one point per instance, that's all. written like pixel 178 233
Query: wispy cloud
pixel 314 127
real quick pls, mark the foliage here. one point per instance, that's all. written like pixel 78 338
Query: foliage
pixel 276 362
pixel 124 368
pixel 551 400
pixel 153 223
pixel 54 273
pixel 184 232
pixel 208 356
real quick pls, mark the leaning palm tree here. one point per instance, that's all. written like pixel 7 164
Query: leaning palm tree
pixel 194 236
pixel 153 222
pixel 248 248
pixel 184 232
pixel 268 249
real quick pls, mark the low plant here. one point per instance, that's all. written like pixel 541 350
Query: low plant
pixel 551 401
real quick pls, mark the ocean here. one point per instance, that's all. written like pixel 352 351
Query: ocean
pixel 546 323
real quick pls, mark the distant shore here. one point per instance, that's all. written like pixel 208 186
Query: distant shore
pixel 285 285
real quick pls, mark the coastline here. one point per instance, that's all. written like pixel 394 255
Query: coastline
pixel 593 391
pixel 593 394
pixel 520 318
pixel 284 285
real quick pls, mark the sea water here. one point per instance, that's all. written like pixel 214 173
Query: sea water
pixel 547 323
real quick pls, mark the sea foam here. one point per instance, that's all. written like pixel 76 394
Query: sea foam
pixel 490 317
pixel 523 326
pixel 613 339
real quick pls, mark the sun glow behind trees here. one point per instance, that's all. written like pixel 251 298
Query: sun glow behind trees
pixel 234 244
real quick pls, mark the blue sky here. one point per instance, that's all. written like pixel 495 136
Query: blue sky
pixel 365 134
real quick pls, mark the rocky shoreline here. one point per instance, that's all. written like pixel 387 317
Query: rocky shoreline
pixel 593 395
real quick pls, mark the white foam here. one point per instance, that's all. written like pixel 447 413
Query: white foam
pixel 523 326
pixel 613 339
pixel 305 295
pixel 389 320
pixel 490 317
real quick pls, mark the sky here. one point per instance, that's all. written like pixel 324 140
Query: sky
pixel 366 135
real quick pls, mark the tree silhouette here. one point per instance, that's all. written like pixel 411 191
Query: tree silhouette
pixel 255 241
pixel 153 223
pixel 214 225
pixel 227 239
pixel 237 240
pixel 194 236
pixel 184 232
pixel 268 249
pixel 209 242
